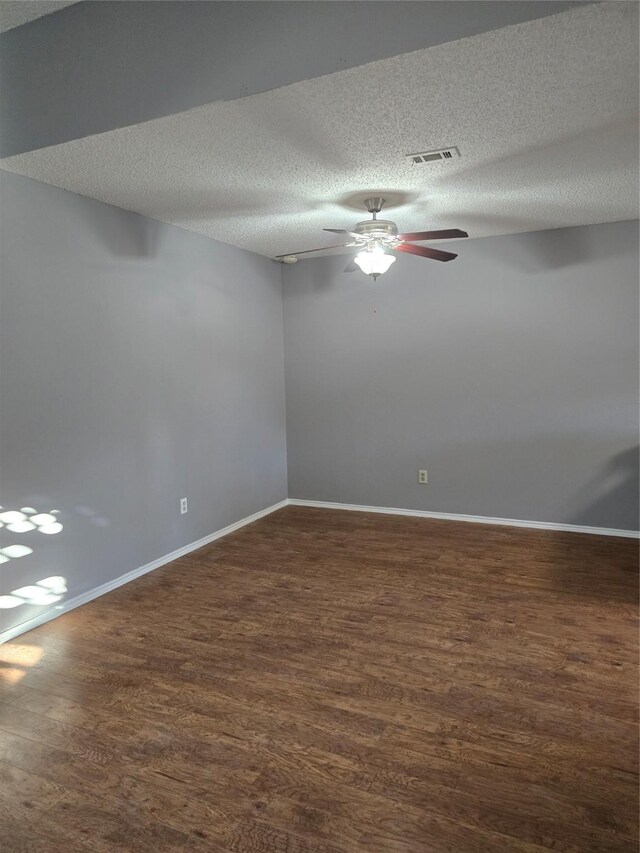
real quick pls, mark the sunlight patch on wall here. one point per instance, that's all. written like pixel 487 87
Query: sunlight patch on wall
pixel 12 552
pixel 28 518
pixel 47 591
pixel 43 592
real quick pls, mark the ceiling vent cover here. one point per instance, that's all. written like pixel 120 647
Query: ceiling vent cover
pixel 450 153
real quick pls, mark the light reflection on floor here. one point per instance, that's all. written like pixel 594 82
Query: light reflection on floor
pixel 15 658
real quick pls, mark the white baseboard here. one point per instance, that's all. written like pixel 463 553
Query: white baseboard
pixel 84 597
pixel 97 591
pixel 475 519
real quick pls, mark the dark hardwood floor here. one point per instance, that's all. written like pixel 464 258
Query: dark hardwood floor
pixel 336 681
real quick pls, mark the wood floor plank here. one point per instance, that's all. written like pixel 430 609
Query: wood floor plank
pixel 336 682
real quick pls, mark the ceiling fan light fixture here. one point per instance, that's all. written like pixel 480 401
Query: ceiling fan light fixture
pixel 375 235
pixel 374 261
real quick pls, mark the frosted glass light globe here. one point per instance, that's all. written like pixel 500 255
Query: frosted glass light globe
pixel 374 261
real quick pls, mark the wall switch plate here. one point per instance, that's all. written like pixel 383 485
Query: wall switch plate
pixel 183 506
pixel 422 475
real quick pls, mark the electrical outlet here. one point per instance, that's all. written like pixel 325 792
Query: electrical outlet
pixel 183 506
pixel 422 475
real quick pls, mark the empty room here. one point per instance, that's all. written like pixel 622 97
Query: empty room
pixel 319 415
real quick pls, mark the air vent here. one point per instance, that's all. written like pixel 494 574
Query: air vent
pixel 432 156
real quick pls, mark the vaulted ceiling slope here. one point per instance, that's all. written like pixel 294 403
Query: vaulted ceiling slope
pixel 544 114
pixel 13 13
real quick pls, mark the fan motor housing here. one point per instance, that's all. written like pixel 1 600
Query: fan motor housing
pixel 376 228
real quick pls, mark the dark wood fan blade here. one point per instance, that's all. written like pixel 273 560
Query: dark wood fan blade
pixel 352 266
pixel 425 252
pixel 447 234
pixel 308 251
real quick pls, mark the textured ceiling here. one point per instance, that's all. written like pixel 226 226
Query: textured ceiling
pixel 16 12
pixel 544 114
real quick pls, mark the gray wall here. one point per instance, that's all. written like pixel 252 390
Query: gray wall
pixel 96 66
pixel 511 374
pixel 140 363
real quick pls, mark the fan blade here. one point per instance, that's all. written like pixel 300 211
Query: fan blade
pixel 308 251
pixel 342 231
pixel 448 234
pixel 425 252
pixel 352 266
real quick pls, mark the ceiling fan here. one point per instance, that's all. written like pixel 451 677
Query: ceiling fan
pixel 375 237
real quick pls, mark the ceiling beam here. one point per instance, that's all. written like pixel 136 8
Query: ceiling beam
pixel 96 66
